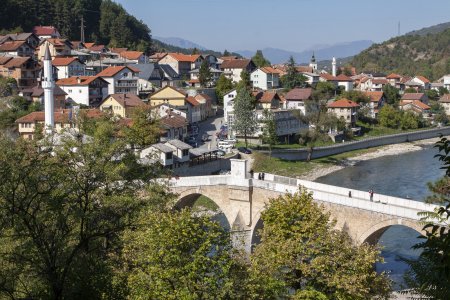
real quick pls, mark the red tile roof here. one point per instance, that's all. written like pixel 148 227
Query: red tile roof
pixel 299 94
pixel 379 81
pixel 131 54
pixel 89 45
pixel 203 96
pixel 235 64
pixel 173 121
pixel 118 50
pixel 96 47
pixel 374 96
pixel 11 46
pixel 413 96
pixel 328 77
pixel 416 103
pixel 393 76
pixel 231 57
pixel 63 61
pixel 44 30
pixel 423 79
pixel 158 55
pixel 112 71
pixel 343 103
pixel 184 57
pixel 266 96
pixel 445 98
pixel 342 77
pixel 305 69
pixel 270 70
pixel 16 62
pixel 79 80
pixel 61 116
pixel 127 100
pixel 192 101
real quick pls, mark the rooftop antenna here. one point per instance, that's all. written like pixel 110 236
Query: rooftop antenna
pixel 82 29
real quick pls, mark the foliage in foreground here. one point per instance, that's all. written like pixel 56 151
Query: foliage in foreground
pixel 300 250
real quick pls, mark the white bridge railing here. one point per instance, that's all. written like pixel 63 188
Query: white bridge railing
pixel 394 206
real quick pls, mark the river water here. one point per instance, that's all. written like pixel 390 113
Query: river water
pixel 404 175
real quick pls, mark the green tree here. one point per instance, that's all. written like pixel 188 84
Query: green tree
pixel 195 51
pixel 410 90
pixel 245 123
pixel 260 60
pixel 356 96
pixel 443 91
pixel 409 120
pixel 292 78
pixel 300 250
pixel 389 117
pixel 429 275
pixel 179 255
pixel 392 94
pixel 245 80
pixel 269 131
pixel 144 129
pixel 223 86
pixel 204 74
pixel 226 53
pixel 62 212
pixel 432 94
pixel 324 91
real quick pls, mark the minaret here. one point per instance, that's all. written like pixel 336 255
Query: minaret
pixel 334 66
pixel 313 63
pixel 48 84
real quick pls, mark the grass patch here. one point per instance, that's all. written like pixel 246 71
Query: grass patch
pixel 204 202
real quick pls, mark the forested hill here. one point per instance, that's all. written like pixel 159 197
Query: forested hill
pixel 106 21
pixel 432 29
pixel 427 55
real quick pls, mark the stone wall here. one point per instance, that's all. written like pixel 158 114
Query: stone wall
pixel 208 168
pixel 302 154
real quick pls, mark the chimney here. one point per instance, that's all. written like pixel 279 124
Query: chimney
pixel 78 80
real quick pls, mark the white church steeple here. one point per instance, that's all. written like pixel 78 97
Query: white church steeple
pixel 333 69
pixel 313 63
pixel 48 84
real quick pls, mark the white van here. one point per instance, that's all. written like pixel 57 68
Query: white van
pixel 224 146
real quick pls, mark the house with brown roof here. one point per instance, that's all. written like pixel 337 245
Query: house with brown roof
pixel 136 57
pixel 410 97
pixel 206 107
pixel 29 37
pixel 179 100
pixel 265 78
pixel 174 126
pixel 345 81
pixel 57 47
pixel 85 90
pixel 393 79
pixel 182 63
pixel 64 119
pixel 68 67
pixel 121 105
pixel 297 97
pixel 445 102
pixel 377 100
pixel 46 32
pixel 16 48
pixel 419 83
pixel 267 100
pixel 36 94
pixel 345 109
pixel 233 68
pixel 416 106
pixel 121 79
pixel 24 70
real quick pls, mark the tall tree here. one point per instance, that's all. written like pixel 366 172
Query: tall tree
pixel 429 275
pixel 292 78
pixel 223 85
pixel 144 129
pixel 245 123
pixel 205 75
pixel 260 60
pixel 269 132
pixel 245 80
pixel 226 53
pixel 300 250
pixel 62 212
pixel 392 94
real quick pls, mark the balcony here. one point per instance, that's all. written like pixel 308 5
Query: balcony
pixel 126 84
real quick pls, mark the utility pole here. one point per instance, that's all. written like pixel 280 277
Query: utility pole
pixel 82 29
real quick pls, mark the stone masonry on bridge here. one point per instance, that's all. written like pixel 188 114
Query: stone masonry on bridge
pixel 242 199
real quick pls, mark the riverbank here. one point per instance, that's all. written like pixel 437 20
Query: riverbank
pixel 324 166
pixel 395 149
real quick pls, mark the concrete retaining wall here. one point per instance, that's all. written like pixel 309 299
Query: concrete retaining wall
pixel 302 154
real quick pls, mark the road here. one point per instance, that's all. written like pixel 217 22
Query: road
pixel 210 126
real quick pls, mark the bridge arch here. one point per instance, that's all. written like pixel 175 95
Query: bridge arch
pixel 374 233
pixel 188 197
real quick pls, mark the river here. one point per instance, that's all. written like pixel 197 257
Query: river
pixel 404 175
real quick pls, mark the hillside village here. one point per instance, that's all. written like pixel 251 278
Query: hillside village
pixel 183 90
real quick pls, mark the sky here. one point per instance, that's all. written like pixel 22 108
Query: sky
pixel 293 25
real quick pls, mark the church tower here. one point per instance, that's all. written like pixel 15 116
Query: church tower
pixel 48 84
pixel 313 63
pixel 334 66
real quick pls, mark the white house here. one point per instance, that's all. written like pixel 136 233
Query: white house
pixel 135 57
pixel 265 78
pixel 233 68
pixel 182 63
pixel 121 79
pixel 295 99
pixel 86 90
pixel 180 150
pixel 446 81
pixel 228 106
pixel 312 78
pixel 68 67
pixel 345 81
pixel 158 152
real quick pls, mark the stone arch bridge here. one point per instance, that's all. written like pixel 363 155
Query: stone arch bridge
pixel 242 198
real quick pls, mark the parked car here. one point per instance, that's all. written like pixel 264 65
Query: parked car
pixel 244 150
pixel 220 153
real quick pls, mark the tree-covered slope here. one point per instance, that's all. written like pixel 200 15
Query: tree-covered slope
pixel 427 55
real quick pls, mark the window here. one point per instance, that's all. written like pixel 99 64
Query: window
pixel 80 91
pixel 70 91
pixel 169 155
pixel 185 152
